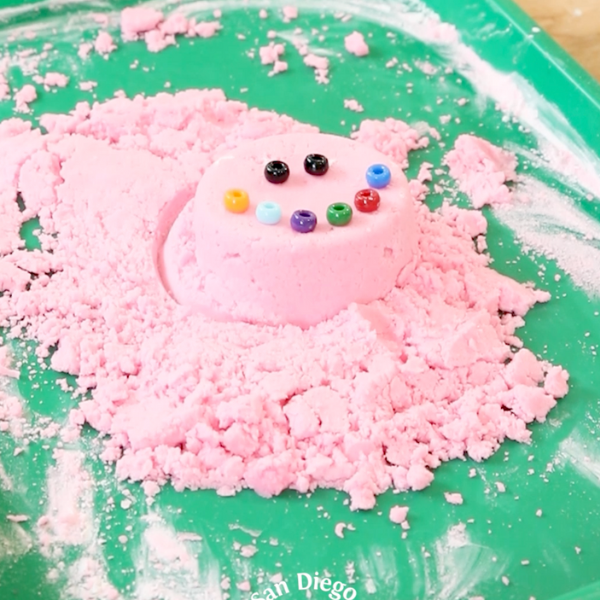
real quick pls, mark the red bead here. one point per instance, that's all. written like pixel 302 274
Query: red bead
pixel 367 200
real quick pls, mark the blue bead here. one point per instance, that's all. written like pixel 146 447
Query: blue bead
pixel 378 176
pixel 303 221
pixel 268 213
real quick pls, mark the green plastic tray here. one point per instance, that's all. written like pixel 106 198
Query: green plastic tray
pixel 501 530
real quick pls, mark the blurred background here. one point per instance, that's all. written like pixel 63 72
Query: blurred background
pixel 574 24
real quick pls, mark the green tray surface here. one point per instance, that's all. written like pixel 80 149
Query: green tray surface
pixel 503 529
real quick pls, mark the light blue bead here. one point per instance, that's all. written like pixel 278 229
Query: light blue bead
pixel 378 176
pixel 268 213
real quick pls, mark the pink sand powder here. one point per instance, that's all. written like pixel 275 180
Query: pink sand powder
pixel 354 105
pixel 425 172
pixel 377 397
pixel 101 19
pixel 320 64
pixel 104 43
pixel 417 186
pixel 10 407
pixel 339 529
pixel 24 97
pixel 392 137
pixel 4 88
pixel 556 382
pixel 157 40
pixel 87 86
pixel 355 44
pixel 54 79
pixel 316 62
pixel 174 24
pixel 482 170
pixel 418 190
pixel 158 32
pixel 453 497
pixel 6 369
pixel 17 518
pixel 398 514
pixel 137 20
pixel 426 67
pixel 279 66
pixel 67 518
pixel 270 53
pixel 84 50
pixel 289 13
pixel 206 29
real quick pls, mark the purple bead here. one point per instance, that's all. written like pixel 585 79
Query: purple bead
pixel 303 221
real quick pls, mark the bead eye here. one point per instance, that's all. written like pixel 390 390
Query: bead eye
pixel 378 176
pixel 339 214
pixel 367 200
pixel 303 221
pixel 277 171
pixel 316 164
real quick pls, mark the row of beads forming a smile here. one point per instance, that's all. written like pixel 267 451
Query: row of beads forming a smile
pixel 338 214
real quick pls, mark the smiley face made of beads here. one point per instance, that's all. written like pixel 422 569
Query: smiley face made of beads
pixel 315 235
pixel 302 220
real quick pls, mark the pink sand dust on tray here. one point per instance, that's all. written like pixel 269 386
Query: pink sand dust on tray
pixel 482 170
pixel 373 398
pixel 355 44
pixel 103 44
pixel 159 32
pixel 24 97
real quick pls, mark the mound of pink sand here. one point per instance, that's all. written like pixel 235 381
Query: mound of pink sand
pixel 374 398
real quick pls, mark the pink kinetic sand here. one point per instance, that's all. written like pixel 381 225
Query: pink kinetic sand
pixel 24 97
pixel 376 397
pixel 159 32
pixel 289 13
pixel 279 66
pixel 104 43
pixel 354 105
pixel 270 53
pixel 84 50
pixel 6 369
pixel 175 24
pixel 482 170
pixel 206 29
pixel 321 66
pixel 355 44
pixel 453 497
pixel 4 88
pixel 398 514
pixel 53 79
pixel 101 19
pixel 137 20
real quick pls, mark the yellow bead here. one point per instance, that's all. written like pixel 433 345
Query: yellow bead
pixel 236 201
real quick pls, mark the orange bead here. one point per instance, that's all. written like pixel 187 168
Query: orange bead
pixel 236 201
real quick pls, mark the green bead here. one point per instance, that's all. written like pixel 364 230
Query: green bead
pixel 339 214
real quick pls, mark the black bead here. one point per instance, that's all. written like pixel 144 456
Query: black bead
pixel 316 164
pixel 277 171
